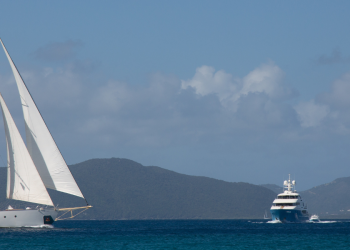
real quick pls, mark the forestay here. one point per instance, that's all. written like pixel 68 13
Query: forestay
pixel 23 180
pixel 46 156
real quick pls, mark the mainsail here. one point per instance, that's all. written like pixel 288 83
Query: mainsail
pixel 23 180
pixel 41 146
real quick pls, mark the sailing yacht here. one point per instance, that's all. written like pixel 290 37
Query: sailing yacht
pixel 33 168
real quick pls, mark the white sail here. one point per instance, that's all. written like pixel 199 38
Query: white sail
pixel 23 180
pixel 46 156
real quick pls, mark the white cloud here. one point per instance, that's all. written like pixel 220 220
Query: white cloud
pixel 311 114
pixel 210 105
pixel 339 94
pixel 110 97
pixel 265 79
pixel 337 101
pixel 329 110
pixel 206 81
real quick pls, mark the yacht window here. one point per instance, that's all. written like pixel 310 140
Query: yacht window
pixel 284 204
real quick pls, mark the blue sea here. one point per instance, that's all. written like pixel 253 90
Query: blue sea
pixel 179 234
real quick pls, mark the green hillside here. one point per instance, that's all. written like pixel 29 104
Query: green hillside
pixel 330 200
pixel 124 189
pixel 275 188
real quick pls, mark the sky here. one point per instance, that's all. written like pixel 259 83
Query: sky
pixel 241 91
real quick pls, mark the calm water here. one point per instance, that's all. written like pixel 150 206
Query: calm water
pixel 197 234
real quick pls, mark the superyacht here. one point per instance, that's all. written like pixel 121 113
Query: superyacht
pixel 289 206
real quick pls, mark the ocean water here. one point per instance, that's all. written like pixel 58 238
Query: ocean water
pixel 179 234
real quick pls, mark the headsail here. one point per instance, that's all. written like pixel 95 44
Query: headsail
pixel 23 180
pixel 42 148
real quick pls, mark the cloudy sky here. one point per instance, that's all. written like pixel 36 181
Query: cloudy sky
pixel 235 90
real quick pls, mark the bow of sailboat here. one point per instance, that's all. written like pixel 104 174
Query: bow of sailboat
pixel 69 211
pixel 73 208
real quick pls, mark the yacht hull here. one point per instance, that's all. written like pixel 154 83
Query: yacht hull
pixel 27 218
pixel 289 215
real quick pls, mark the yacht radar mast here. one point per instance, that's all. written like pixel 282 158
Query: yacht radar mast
pixel 289 185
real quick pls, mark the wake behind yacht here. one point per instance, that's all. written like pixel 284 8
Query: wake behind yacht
pixel 289 206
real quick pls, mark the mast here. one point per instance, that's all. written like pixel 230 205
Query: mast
pixel 289 185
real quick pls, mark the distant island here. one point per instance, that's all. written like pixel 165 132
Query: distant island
pixel 121 189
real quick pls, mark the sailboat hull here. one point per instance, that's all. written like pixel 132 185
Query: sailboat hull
pixel 27 218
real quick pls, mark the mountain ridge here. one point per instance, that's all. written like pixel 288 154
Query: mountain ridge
pixel 124 189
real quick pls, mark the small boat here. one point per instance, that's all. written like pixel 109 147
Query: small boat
pixel 314 218
pixel 289 206
pixel 266 217
pixel 35 167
